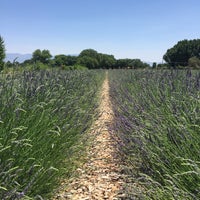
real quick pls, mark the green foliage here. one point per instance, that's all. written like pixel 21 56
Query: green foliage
pixel 157 121
pixel 106 61
pixel 89 53
pixel 63 60
pixel 154 65
pixel 130 63
pixel 43 116
pixel 182 52
pixel 2 53
pixel 88 58
pixel 123 63
pixel 194 62
pixel 39 66
pixel 89 62
pixel 8 64
pixel 93 60
pixel 137 63
pixel 41 56
pixel 163 66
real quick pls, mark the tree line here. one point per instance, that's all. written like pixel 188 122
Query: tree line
pixel 88 58
pixel 184 54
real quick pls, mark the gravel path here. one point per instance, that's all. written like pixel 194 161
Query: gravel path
pixel 99 178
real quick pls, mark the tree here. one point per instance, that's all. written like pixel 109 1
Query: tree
pixel 90 53
pixel 182 52
pixel 89 62
pixel 131 63
pixel 41 56
pixel 137 63
pixel 123 63
pixel 37 54
pixel 63 60
pixel 2 53
pixel 194 62
pixel 8 64
pixel 71 60
pixel 154 65
pixel 60 60
pixel 27 62
pixel 106 61
pixel 89 58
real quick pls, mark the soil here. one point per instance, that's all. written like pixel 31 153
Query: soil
pixel 99 178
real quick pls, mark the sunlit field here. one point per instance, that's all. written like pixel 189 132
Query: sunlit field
pixel 157 117
pixel 45 115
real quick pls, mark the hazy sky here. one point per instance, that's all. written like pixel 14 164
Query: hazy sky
pixel 142 29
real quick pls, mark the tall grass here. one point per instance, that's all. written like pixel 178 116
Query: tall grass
pixel 158 120
pixel 43 115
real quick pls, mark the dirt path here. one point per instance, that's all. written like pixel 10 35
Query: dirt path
pixel 99 178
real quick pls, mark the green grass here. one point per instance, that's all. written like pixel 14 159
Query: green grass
pixel 43 116
pixel 158 121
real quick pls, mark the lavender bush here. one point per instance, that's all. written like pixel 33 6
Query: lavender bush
pixel 157 118
pixel 43 115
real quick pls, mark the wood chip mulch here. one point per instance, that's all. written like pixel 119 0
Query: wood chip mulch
pixel 99 178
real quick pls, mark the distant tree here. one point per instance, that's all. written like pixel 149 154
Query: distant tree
pixel 194 62
pixel 163 66
pixel 137 63
pixel 154 65
pixel 93 60
pixel 46 56
pixel 60 60
pixel 131 63
pixel 90 53
pixel 106 61
pixel 27 62
pixel 8 64
pixel 89 58
pixel 123 63
pixel 2 53
pixel 71 60
pixel 182 52
pixel 37 54
pixel 64 60
pixel 89 62
pixel 42 56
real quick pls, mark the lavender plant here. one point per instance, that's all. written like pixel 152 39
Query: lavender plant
pixel 43 115
pixel 157 119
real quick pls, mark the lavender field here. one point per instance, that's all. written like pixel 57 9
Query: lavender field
pixel 45 115
pixel 157 118
pixel 43 118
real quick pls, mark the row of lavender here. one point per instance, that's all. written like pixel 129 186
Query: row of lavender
pixel 158 121
pixel 43 115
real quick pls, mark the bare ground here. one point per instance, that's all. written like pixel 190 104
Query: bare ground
pixel 99 178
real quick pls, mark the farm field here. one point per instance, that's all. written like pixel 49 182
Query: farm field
pixel 45 117
pixel 157 118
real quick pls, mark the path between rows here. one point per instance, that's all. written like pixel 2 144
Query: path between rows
pixel 99 178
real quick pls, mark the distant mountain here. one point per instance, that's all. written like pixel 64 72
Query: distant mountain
pixel 19 57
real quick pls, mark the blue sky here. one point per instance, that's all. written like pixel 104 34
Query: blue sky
pixel 142 29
